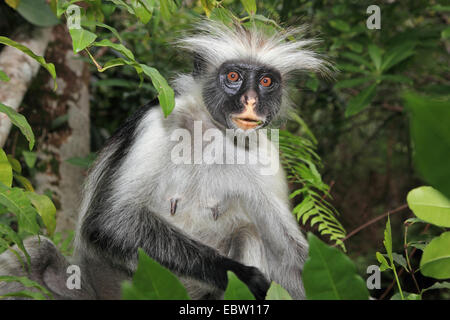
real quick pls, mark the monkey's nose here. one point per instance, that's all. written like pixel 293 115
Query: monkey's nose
pixel 249 99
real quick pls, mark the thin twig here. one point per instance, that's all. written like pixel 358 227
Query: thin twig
pixel 365 225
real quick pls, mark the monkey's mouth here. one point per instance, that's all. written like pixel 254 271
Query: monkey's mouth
pixel 247 123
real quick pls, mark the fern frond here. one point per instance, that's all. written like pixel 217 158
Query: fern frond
pixel 301 163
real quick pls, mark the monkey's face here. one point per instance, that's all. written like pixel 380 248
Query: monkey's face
pixel 243 95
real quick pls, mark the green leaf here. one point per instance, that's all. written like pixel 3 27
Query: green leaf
pixel 430 133
pixel 249 6
pixel 384 265
pixel 400 260
pixel 84 162
pixel 38 12
pixel 19 121
pixel 328 274
pixel 151 281
pixel 15 200
pixel 355 46
pixel 430 205
pixel 388 240
pixel 24 294
pixel 6 173
pixel 397 54
pixel 27 283
pixel 46 210
pixel 445 34
pixel 14 164
pixel 375 54
pixel 143 9
pixel 14 237
pixel 435 261
pixel 277 292
pixel 419 245
pixel 30 158
pixel 340 25
pixel 236 289
pixel 167 7
pixel 352 82
pixel 223 15
pixel 116 46
pixel 123 4
pixel 166 94
pixel 50 67
pixel 13 3
pixel 361 101
pixel 81 39
pixel 313 84
pixel 357 58
pixel 396 78
pixel 24 182
pixel 208 6
pixel 3 76
pixel 407 296
pixel 438 285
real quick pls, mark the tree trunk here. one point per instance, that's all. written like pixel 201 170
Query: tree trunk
pixel 62 120
pixel 21 69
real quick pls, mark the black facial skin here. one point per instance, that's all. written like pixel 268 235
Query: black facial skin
pixel 222 97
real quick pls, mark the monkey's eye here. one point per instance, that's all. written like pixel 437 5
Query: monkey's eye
pixel 266 82
pixel 233 76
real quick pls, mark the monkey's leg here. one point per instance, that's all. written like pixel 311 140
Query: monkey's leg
pixel 243 245
pixel 48 267
pixel 285 247
pixel 169 246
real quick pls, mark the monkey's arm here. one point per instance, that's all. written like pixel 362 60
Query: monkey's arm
pixel 173 249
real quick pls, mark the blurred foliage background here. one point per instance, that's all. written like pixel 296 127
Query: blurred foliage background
pixel 358 119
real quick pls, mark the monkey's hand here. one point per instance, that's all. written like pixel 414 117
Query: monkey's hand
pixel 255 280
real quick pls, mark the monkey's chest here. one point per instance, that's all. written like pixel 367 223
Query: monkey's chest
pixel 204 207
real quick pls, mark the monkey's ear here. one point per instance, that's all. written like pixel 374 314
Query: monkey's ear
pixel 199 65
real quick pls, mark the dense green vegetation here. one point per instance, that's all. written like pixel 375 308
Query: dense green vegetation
pixel 357 148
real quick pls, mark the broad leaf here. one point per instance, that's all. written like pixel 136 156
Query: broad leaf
pixel 236 289
pixel 430 133
pixel 3 76
pixel 329 274
pixel 361 101
pixel 46 210
pixel 38 12
pixel 116 46
pixel 435 261
pixel 249 6
pixel 430 205
pixel 277 292
pixel 30 158
pixel 151 281
pixel 340 25
pixel 352 82
pixel 81 39
pixel 6 173
pixel 375 54
pixel 27 283
pixel 19 121
pixel 438 285
pixel 166 95
pixel 397 55
pixel 50 67
pixel 15 200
